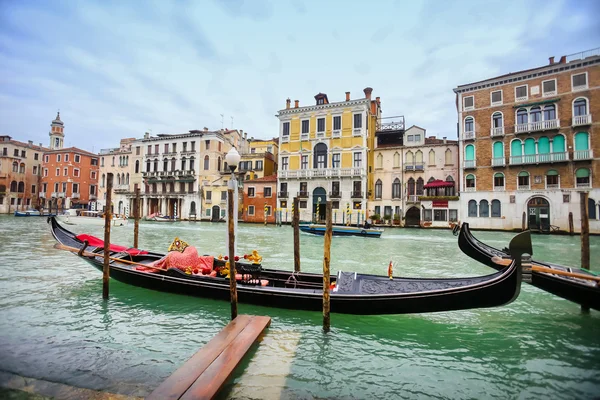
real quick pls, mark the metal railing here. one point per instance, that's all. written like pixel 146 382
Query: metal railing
pixel 282 195
pixel 537 126
pixel 302 194
pixel 75 195
pixel 583 54
pixel 395 123
pixel 499 188
pixel 357 195
pixel 523 187
pixel 552 186
pixel 335 195
pixel 579 120
pixel 412 198
pixel 322 173
pixel 583 184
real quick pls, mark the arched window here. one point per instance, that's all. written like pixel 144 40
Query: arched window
pixel 582 177
pixel 552 179
pixel 592 209
pixel 522 116
pixel 113 161
pixel 320 158
pixel 496 209
pixel 535 114
pixel 193 207
pixel 127 179
pixel 516 152
pixel 470 181
pixel 21 187
pixel 155 165
pixel 469 156
pixel 148 166
pixel 484 208
pixel 396 160
pixel 449 179
pixel 15 166
pixel 498 150
pixel 396 189
pixel 498 181
pixel 523 180
pixel 581 142
pixel 137 166
pixel 558 144
pixel 529 148
pixel 419 157
pixel 206 162
pixel 431 157
pixel 469 125
pixel 549 112
pixel 410 158
pixel 431 179
pixel 448 157
pixel 173 164
pixel 22 168
pixel 497 120
pixel 183 160
pixel 102 183
pixel 13 186
pixel 420 184
pixel 192 163
pixel 378 189
pixel 379 163
pixel 411 187
pixel 472 208
pixel 165 164
pixel 580 107
pixel 118 179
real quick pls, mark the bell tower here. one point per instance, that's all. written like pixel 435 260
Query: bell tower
pixel 56 133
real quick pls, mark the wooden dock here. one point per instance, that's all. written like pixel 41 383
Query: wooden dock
pixel 205 373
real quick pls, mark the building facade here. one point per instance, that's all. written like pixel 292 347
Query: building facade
pixel 324 154
pixel 119 162
pixel 260 200
pixel 528 146
pixel 415 177
pixel 20 174
pixel 260 160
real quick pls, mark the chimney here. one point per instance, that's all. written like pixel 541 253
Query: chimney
pixel 368 91
pixel 31 142
pixel 378 100
pixel 205 129
pixel 444 139
pixel 287 103
pixel 146 135
pixel 551 60
pixel 40 145
pixel 296 103
pixel 347 96
pixel 563 60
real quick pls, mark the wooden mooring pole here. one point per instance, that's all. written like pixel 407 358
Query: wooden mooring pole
pixel 571 225
pixel 136 218
pixel 585 231
pixel 231 228
pixel 107 222
pixel 326 269
pixel 296 225
pixel 524 221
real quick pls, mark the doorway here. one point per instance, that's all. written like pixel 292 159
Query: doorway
pixel 413 217
pixel 215 214
pixel 319 197
pixel 538 211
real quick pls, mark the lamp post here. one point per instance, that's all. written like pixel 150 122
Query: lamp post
pixel 233 159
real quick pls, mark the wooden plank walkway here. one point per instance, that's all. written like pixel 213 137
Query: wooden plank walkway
pixel 203 375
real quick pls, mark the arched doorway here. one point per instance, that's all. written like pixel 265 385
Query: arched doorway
pixel 413 217
pixel 121 207
pixel 538 214
pixel 216 214
pixel 319 196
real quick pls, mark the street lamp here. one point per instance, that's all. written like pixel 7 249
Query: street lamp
pixel 232 158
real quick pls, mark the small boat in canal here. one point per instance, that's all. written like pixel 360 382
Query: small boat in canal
pixel 157 217
pixel 31 213
pixel 86 217
pixel 352 293
pixel 340 230
pixel 573 284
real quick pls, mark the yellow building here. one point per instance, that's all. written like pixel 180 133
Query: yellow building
pixel 324 154
pixel 260 160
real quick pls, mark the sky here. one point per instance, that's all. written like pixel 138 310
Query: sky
pixel 117 69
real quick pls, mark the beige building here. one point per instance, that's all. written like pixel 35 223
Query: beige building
pixel 260 160
pixel 119 162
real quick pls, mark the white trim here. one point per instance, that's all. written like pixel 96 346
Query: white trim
pixel 496 131
pixel 304 133
pixel 497 103
pixel 498 188
pixel 465 108
pixel 578 88
pixel 78 173
pixel 552 92
pixel 526 93
pixel 546 181
pixel 264 194
pixel 254 189
pixel 468 134
pixel 250 213
pixel 471 189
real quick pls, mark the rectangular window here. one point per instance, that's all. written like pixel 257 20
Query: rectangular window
pixel 468 103
pixel 579 81
pixel 427 215
pixel 284 163
pixel 304 162
pixel 208 195
pixel 45 172
pixel 497 97
pixel 207 142
pixel 549 88
pixel 24 154
pixel 320 124
pixel 33 189
pixel 410 138
pixel 76 172
pixel 16 153
pixel 58 157
pixel 166 147
pixel 78 158
pixel 149 149
pixel 335 160
pixel 268 191
pixel 335 205
pixel 66 172
pixel 259 165
pixel 305 126
pixel 57 171
pixel 5 151
pixel 93 176
pixel 357 160
pixel 75 188
pixel 35 169
pixel 250 210
pixel 250 192
pixel 193 145
pixel 302 204
pixel 453 215
pixel 66 158
pixel 155 149
pixel 321 160
pixel 286 129
pixel 303 187
pixel 357 121
pixel 208 212
pixel 439 215
pixel 137 150
pixel 223 196
pixel 46 159
pixel 521 93
pixel 337 123
pixel 174 148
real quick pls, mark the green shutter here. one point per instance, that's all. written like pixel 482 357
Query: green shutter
pixel 529 146
pixel 581 141
pixel 523 173
pixel 582 173
pixel 558 144
pixel 498 175
pixel 543 145
pixel 552 172
pixel 470 152
pixel 498 150
pixel 515 148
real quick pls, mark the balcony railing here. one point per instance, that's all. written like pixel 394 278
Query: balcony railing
pixel 497 131
pixel 412 198
pixel 93 197
pixel 537 126
pixel 335 195
pixel 285 139
pixel 322 173
pixel 580 120
pixel 75 195
pixel 415 166
pixel 469 135
pixel 498 162
pixel 302 194
pixel 470 189
pixel 552 186
pixel 539 158
pixel 356 131
pixel 499 188
pixel 469 164
pixel 582 155
pixel 320 133
pixel 583 184
pixel 357 195
pixel 336 133
pixel 523 187
pixel 282 195
pixel 304 136
pixel 42 194
pixel 121 188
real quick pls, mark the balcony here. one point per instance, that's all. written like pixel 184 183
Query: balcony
pixel 539 158
pixel 42 195
pixel 302 194
pixel 282 195
pixel 304 136
pixel 470 189
pixel 582 155
pixel 322 173
pixel 357 195
pixel 93 197
pixel 469 135
pixel 581 120
pixel 498 162
pixel 583 185
pixel 121 188
pixel 415 166
pixel 335 195
pixel 468 164
pixel 336 133
pixel 412 198
pixel 537 126
pixel 356 131
pixel 552 186
pixel 523 187
pixel 499 188
pixel 60 195
pixel 494 132
pixel 285 139
pixel 75 195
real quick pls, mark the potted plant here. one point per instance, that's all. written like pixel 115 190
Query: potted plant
pixel 396 219
pixel 376 218
pixel 387 219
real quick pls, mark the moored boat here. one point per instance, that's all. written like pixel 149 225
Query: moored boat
pixel 574 284
pixel 353 293
pixel 339 230
pixel 31 213
pixel 86 217
pixel 159 218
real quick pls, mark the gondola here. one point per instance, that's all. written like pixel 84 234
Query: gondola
pixel 340 230
pixel 353 293
pixel 585 292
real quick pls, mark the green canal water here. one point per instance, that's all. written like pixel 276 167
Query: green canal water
pixel 55 326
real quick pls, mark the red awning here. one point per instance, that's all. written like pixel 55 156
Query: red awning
pixel 438 184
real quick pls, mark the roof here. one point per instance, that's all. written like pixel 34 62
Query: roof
pixel 28 145
pixel 72 150
pixel 270 178
pixel 438 184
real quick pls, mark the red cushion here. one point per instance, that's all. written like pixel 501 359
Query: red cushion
pixel 97 242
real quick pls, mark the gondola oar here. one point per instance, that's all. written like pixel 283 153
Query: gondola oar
pixel 88 254
pixel 540 268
